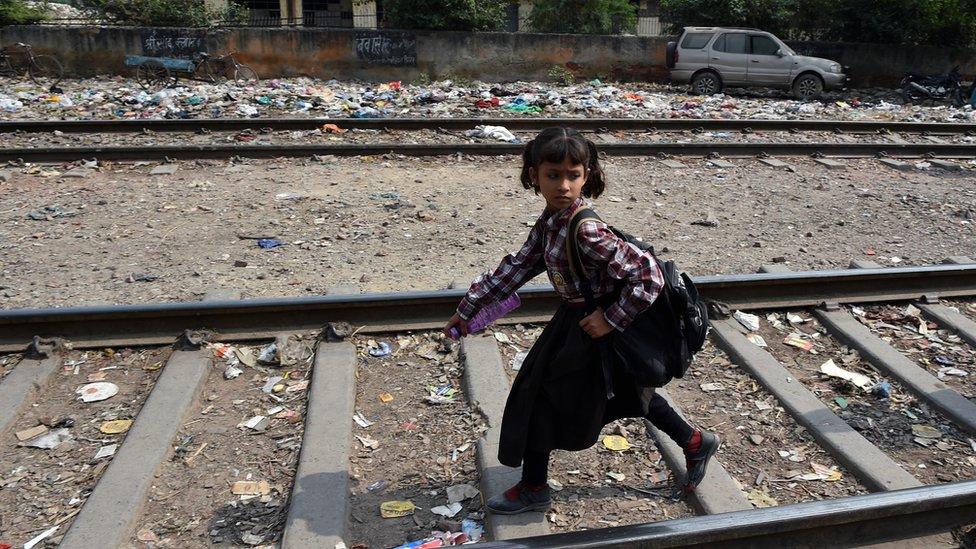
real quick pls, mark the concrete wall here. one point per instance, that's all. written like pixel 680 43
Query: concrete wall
pixel 387 55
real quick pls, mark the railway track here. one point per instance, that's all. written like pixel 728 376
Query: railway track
pixel 720 150
pixel 527 124
pixel 176 393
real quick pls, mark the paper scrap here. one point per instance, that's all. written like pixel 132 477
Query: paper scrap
pixel 833 370
pixel 447 511
pixel 750 321
pixel 396 509
pixel 106 451
pixel 757 340
pixel 28 434
pixel 361 421
pixel 461 492
pixel 712 387
pixel 115 427
pixel 796 340
pixel 616 443
pixel 251 488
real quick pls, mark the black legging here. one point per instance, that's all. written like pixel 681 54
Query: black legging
pixel 535 465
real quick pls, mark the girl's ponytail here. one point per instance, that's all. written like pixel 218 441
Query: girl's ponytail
pixel 595 179
pixel 527 165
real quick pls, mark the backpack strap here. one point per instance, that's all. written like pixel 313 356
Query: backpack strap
pixel 573 253
pixel 576 266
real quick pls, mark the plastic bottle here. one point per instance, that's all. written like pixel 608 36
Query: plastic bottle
pixel 489 314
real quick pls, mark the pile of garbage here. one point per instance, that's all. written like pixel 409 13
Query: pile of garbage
pixel 122 97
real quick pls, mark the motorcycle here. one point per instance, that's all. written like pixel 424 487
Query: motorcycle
pixel 917 87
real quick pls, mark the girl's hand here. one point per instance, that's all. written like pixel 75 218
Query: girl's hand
pixel 596 324
pixel 456 322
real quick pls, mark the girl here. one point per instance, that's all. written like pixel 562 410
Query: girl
pixel 559 398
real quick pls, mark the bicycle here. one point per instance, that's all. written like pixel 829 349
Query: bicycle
pixel 43 70
pixel 156 73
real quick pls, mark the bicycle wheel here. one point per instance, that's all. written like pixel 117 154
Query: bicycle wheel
pixel 153 76
pixel 214 71
pixel 244 75
pixel 45 71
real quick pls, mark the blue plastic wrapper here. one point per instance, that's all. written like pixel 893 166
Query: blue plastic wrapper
pixel 882 389
pixel 268 243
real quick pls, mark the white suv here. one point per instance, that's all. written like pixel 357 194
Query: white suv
pixel 711 58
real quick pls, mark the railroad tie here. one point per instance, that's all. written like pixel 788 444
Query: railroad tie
pixel 486 385
pixel 889 361
pixel 22 385
pixel 869 464
pixel 717 493
pixel 108 516
pixel 961 324
pixel 318 513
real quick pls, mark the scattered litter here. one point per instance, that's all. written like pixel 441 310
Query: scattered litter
pixel 269 243
pixel 518 359
pixel 619 477
pixel 712 387
pixel 881 389
pixel 386 398
pixel 378 485
pixel 750 321
pixel 757 340
pixel 380 350
pixel 841 402
pixel 257 423
pixel 28 434
pixel 361 420
pixel 95 392
pixel 231 371
pixel 105 451
pixel 761 498
pixel 115 427
pixel 447 511
pixel 370 443
pixel 834 370
pixel 555 485
pixel 396 509
pixel 797 340
pixel 794 318
pixel 440 395
pixel 493 132
pixel 246 356
pixel 273 384
pixel 762 405
pixel 41 537
pixel 49 440
pixel 473 530
pixel 461 492
pixel 616 443
pixel 950 371
pixel 926 431
pixel 250 488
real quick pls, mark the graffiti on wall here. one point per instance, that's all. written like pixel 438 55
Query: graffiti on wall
pixel 398 49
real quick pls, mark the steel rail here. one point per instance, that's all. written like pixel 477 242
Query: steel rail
pixel 728 150
pixel 853 521
pixel 522 123
pixel 161 323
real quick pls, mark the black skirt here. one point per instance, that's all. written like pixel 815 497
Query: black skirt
pixel 559 399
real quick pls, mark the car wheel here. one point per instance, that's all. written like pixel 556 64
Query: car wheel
pixel 808 87
pixel 706 83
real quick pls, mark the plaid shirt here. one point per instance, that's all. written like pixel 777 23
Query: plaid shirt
pixel 606 259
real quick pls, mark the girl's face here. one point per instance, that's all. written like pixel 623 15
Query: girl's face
pixel 561 184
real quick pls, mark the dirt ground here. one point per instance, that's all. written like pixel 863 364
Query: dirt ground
pixel 421 448
pixel 193 502
pixel 47 487
pixel 763 448
pixel 885 421
pixel 938 351
pixel 118 235
pixel 261 136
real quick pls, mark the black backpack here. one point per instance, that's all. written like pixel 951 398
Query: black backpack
pixel 662 341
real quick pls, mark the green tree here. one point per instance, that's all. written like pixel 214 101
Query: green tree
pixel 776 16
pixel 16 12
pixel 583 16
pixel 461 15
pixel 163 13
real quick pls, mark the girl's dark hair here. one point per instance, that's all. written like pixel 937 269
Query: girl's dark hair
pixel 555 145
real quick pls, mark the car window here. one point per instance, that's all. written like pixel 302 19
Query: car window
pixel 719 44
pixel 732 42
pixel 763 45
pixel 696 40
